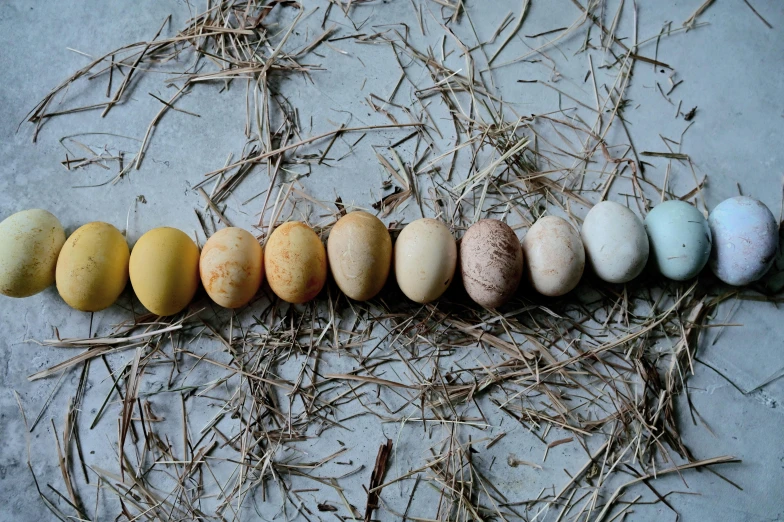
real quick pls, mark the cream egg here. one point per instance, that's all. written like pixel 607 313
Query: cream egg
pixel 359 250
pixel 554 256
pixel 425 256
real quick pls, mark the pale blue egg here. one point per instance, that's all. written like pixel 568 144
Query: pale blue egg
pixel 680 239
pixel 745 239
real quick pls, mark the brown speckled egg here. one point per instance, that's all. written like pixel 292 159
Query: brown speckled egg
pixel 491 262
pixel 554 256
pixel 232 267
pixel 295 262
pixel 360 252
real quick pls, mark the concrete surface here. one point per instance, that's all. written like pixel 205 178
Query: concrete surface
pixel 732 70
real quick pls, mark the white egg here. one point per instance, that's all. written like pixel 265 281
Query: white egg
pixel 425 258
pixel 615 241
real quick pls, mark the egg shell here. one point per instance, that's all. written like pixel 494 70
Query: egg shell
pixel 554 256
pixel 92 269
pixel 30 242
pixel 680 239
pixel 615 241
pixel 231 267
pixel 491 262
pixel 359 250
pixel 164 270
pixel 425 256
pixel 745 239
pixel 296 262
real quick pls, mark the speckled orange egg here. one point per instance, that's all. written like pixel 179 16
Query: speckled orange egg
pixel 491 262
pixel 232 267
pixel 295 262
pixel 360 253
pixel 92 269
pixel 164 270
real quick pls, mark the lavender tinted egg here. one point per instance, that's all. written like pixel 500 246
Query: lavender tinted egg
pixel 745 238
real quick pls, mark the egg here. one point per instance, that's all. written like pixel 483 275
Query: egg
pixel 231 267
pixel 491 262
pixel 164 270
pixel 554 255
pixel 30 242
pixel 680 239
pixel 615 241
pixel 745 239
pixel 359 250
pixel 296 262
pixel 92 269
pixel 425 256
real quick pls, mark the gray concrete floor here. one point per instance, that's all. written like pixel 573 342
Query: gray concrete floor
pixel 732 70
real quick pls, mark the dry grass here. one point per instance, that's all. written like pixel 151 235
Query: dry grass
pixel 605 368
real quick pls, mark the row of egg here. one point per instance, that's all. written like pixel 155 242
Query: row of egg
pixel 92 267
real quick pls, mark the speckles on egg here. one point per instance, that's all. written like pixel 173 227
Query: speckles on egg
pixel 745 239
pixel 680 239
pixel 554 256
pixel 295 262
pixel 491 262
pixel 232 267
pixel 360 254
pixel 30 242
pixel 425 256
pixel 615 241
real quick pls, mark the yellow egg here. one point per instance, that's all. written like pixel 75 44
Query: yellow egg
pixel 360 252
pixel 164 270
pixel 92 269
pixel 232 267
pixel 425 259
pixel 29 244
pixel 295 262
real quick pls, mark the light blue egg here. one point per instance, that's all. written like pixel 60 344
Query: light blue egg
pixel 745 239
pixel 680 239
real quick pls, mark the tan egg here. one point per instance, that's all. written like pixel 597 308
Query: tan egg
pixel 555 257
pixel 425 259
pixel 296 262
pixel 232 267
pixel 30 242
pixel 491 262
pixel 360 253
pixel 164 270
pixel 92 269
